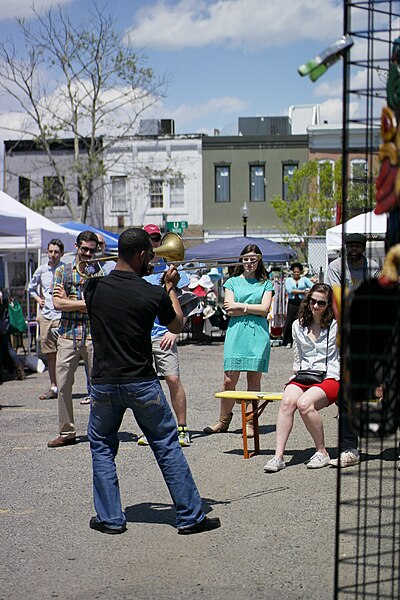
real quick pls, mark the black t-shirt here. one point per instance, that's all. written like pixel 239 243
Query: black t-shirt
pixel 122 308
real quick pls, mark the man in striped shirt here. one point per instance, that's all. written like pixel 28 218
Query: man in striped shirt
pixel 74 341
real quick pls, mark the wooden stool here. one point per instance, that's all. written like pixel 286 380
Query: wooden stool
pixel 259 401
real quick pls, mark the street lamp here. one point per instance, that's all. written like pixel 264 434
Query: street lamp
pixel 244 211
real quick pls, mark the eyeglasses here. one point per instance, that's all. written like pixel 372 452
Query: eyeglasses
pixel 87 250
pixel 155 238
pixel 320 303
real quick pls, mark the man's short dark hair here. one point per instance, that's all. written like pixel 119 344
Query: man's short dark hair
pixel 87 236
pixel 355 238
pixel 56 242
pixel 132 241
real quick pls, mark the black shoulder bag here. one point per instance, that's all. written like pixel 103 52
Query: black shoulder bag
pixel 312 376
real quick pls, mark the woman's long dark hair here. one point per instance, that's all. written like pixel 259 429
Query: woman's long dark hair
pixel 261 272
pixel 305 314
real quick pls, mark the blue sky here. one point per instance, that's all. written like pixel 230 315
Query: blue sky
pixel 225 58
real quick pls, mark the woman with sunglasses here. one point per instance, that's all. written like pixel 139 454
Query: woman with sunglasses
pixel 314 338
pixel 247 300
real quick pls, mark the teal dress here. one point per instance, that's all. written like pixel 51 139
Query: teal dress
pixel 247 343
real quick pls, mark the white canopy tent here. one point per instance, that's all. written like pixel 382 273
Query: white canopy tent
pixel 372 225
pixel 40 230
pixel 11 225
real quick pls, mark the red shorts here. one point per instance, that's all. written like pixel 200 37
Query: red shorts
pixel 329 386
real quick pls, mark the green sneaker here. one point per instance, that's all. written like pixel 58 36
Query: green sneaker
pixel 183 435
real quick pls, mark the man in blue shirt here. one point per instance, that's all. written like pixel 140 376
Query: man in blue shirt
pixel 41 289
pixel 165 351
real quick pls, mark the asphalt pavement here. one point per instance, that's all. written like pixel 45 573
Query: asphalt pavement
pixel 278 530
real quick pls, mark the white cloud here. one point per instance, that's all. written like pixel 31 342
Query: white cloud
pixel 218 108
pixel 235 23
pixel 15 125
pixel 12 9
pixel 332 112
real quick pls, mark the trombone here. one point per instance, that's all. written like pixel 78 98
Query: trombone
pixel 171 249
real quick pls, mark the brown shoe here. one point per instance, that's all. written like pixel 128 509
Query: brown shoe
pixel 61 441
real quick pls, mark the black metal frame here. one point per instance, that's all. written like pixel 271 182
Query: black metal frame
pixel 367 552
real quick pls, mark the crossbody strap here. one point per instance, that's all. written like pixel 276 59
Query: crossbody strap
pixel 327 347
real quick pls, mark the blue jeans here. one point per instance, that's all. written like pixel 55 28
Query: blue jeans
pixel 153 415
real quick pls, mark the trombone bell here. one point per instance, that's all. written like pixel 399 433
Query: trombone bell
pixel 172 248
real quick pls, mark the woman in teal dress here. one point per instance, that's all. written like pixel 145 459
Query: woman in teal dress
pixel 248 297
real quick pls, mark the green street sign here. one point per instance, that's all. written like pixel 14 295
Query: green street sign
pixel 177 226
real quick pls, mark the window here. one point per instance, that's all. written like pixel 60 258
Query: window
pixel 24 190
pixel 53 191
pixel 177 193
pixel 288 170
pixel 257 183
pixel 358 174
pixel 325 178
pixel 156 193
pixel 118 194
pixel 222 184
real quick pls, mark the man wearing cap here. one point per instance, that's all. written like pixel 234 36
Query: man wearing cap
pixel 165 351
pixel 358 268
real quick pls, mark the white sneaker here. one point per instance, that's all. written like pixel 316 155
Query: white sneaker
pixel 318 460
pixel 142 441
pixel 274 465
pixel 348 458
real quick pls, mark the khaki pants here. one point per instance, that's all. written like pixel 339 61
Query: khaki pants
pixel 67 363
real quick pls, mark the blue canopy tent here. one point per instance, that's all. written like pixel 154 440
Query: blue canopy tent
pixel 229 249
pixel 111 239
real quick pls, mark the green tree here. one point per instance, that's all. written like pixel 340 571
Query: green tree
pixel 312 193
pixel 315 195
pixel 79 81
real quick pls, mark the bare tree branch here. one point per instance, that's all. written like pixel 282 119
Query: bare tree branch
pixel 82 81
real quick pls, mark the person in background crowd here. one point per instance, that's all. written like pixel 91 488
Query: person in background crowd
pixel 40 288
pixel 296 286
pixel 74 341
pixel 314 336
pixel 122 309
pixel 358 268
pixel 165 350
pixel 248 297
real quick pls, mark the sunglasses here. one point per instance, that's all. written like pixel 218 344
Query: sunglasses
pixel 250 259
pixel 155 238
pixel 151 254
pixel 87 250
pixel 320 303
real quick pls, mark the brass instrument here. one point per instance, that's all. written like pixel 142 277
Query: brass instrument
pixel 171 249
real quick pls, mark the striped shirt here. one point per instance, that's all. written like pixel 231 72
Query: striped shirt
pixel 74 325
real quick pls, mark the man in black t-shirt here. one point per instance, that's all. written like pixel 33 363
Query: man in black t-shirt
pixel 122 308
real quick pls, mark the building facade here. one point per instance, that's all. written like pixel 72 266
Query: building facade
pixel 249 170
pixel 154 179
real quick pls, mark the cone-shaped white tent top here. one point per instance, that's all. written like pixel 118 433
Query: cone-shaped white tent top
pixel 40 230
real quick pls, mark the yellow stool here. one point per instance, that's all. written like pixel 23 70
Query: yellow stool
pixel 259 401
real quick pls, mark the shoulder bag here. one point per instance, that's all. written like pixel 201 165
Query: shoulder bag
pixel 312 376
